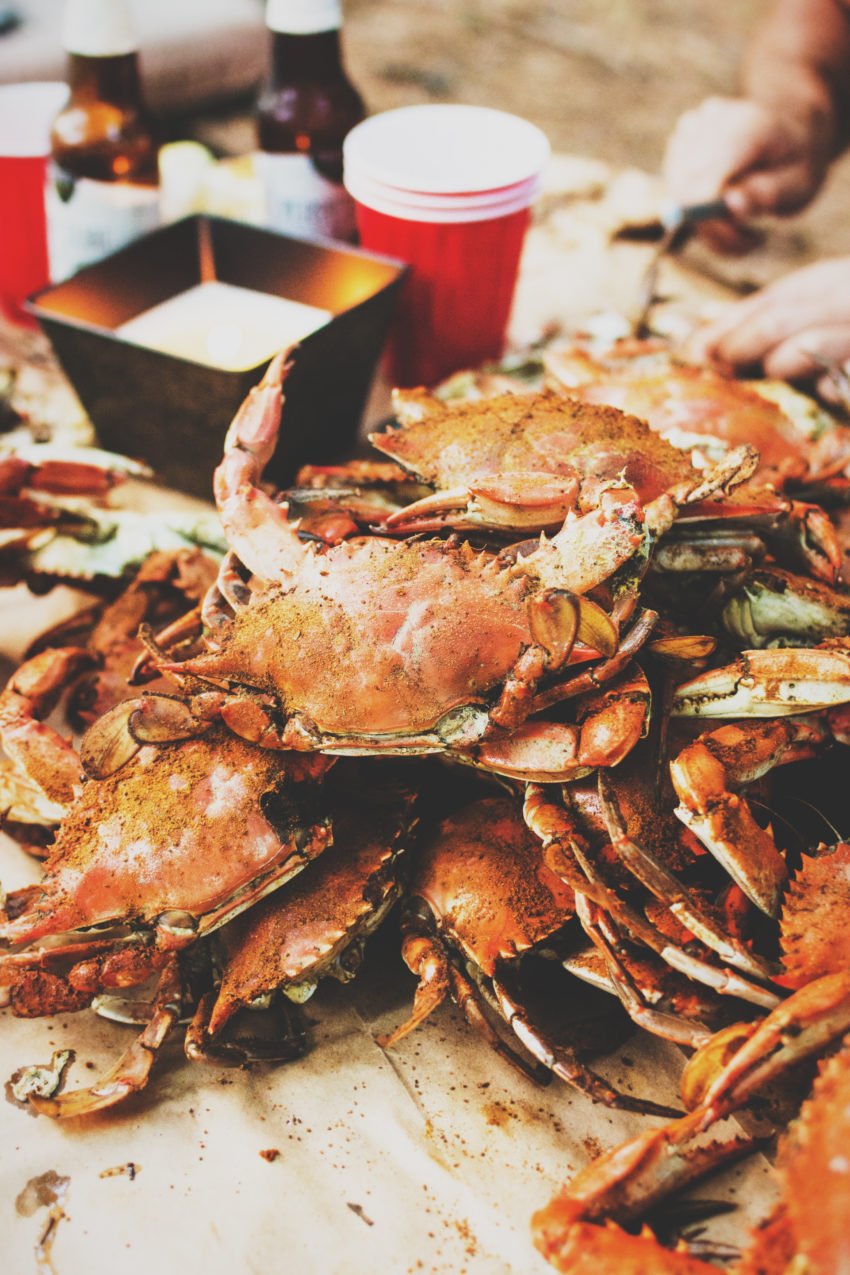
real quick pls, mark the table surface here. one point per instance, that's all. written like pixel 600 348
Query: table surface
pixel 429 1157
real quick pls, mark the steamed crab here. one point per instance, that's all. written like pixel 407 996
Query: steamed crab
pixel 165 582
pixel 479 901
pixel 524 463
pixel 801 695
pixel 445 648
pixel 578 1231
pixel 721 1078
pixel 318 926
pixel 274 955
pixel 637 937
pixel 121 892
pixel 698 409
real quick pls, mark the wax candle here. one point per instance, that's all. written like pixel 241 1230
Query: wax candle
pixel 221 325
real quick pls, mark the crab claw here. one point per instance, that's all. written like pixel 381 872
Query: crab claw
pixel 625 1183
pixel 131 1072
pixel 118 735
pixel 257 528
pixel 802 1025
pixel 705 775
pixel 557 618
pixel 770 684
pixel 521 501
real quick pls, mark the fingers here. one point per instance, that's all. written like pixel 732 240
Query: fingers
pixel 803 354
pixel 757 160
pixel 711 144
pixel 786 326
pixel 785 188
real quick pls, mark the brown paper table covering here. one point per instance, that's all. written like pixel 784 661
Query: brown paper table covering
pixel 427 1158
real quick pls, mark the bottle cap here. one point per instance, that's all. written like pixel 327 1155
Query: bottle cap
pixel 99 28
pixel 303 17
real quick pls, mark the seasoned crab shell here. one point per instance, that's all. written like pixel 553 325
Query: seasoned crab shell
pixel 181 831
pixel 486 884
pixel 316 925
pixel 424 632
pixel 457 444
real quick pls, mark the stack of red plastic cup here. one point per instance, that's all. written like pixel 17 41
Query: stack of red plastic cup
pixel 448 189
pixel 26 114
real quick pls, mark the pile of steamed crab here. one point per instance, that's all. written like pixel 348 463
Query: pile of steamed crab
pixel 601 589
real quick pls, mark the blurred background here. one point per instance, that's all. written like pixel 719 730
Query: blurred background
pixel 603 78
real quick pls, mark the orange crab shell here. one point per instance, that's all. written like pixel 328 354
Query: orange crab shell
pixel 815 1167
pixel 672 396
pixel 485 881
pixel 586 445
pixel 300 930
pixel 814 932
pixel 130 847
pixel 420 629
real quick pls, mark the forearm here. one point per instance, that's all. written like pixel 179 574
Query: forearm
pixel 798 65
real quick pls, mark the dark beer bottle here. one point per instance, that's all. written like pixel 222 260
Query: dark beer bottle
pixel 102 181
pixel 304 111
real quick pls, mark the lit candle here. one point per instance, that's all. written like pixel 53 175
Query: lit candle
pixel 223 326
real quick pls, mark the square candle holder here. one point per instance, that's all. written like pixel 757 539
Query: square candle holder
pixel 172 411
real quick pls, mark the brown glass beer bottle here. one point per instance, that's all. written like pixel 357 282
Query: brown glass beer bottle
pixel 304 111
pixel 102 181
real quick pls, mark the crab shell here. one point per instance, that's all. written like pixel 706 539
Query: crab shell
pixel 586 447
pixel 426 633
pixel 294 938
pixel 813 925
pixel 489 891
pixel 815 1170
pixel 687 403
pixel 129 851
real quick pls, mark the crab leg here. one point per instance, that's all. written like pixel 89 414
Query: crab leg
pixel 567 857
pixel 41 760
pixel 608 669
pixel 810 1019
pixel 667 1026
pixel 625 1183
pixel 131 1072
pixel 705 774
pixel 771 683
pixel 564 1063
pixel 256 526
pixel 670 891
pixel 426 957
pixel 517 501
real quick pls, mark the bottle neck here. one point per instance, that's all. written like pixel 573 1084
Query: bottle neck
pixel 301 59
pixel 105 79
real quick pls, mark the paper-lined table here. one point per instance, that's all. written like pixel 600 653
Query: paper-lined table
pixel 430 1157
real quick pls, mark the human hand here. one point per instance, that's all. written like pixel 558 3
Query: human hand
pixel 790 327
pixel 759 160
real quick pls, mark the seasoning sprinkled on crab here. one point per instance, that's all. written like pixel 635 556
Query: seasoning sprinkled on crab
pixel 524 463
pixel 122 890
pixel 442 647
pixel 480 899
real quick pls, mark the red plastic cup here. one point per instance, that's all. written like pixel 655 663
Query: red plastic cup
pixel 449 190
pixel 27 112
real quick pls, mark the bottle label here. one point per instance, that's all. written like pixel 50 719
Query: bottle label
pixel 300 201
pixel 87 220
